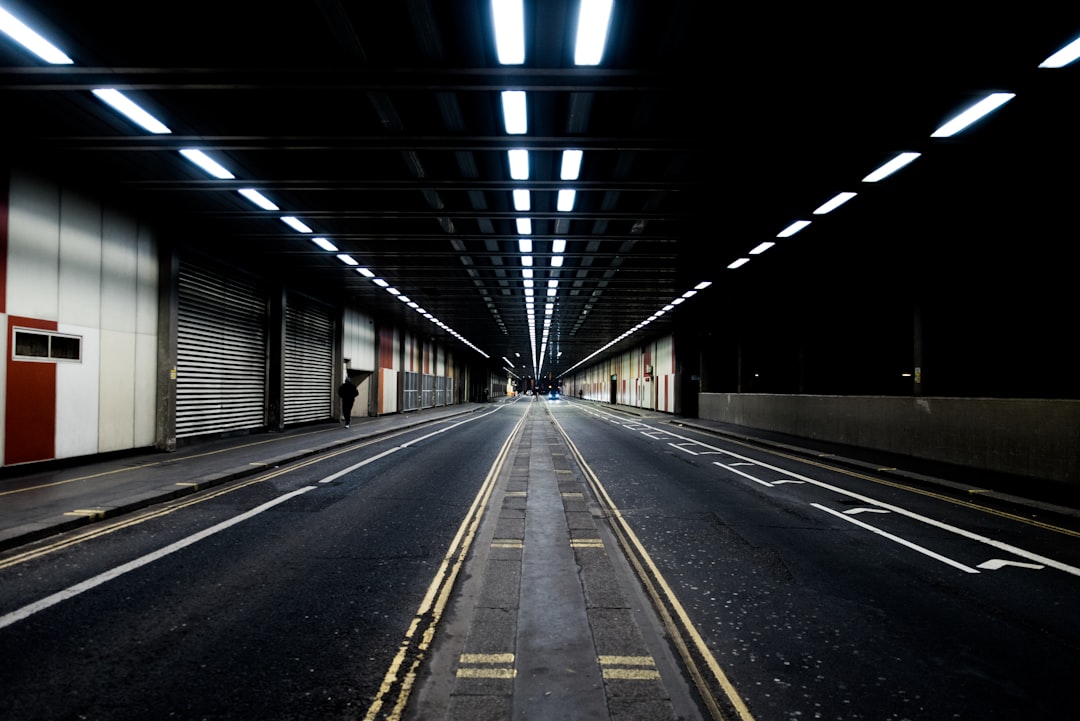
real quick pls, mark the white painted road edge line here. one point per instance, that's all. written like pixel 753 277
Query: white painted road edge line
pixel 72 591
pixel 897 539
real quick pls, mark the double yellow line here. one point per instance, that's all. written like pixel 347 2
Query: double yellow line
pixel 401 676
pixel 698 659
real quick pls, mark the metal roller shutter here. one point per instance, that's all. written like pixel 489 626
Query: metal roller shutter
pixel 309 362
pixel 221 353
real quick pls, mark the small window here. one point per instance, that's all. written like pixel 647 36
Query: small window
pixel 44 345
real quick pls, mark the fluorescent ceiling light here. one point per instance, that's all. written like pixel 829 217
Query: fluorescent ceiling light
pixel 380 282
pixel 558 246
pixel 515 112
pixel 295 224
pixel 565 203
pixel 556 261
pixel 527 273
pixel 525 245
pixel 689 294
pixel 553 284
pixel 739 263
pixel 551 292
pixel 793 229
pixel 703 285
pixel 509 19
pixel 526 260
pixel 366 272
pixel 522 200
pixel 324 244
pixel 393 291
pixel 890 167
pixel 524 226
pixel 834 203
pixel 257 198
pixel 984 107
pixel 404 299
pixel 762 248
pixel 677 301
pixel 1063 57
pixel 347 259
pixel 127 107
pixel 30 40
pixel 592 31
pixel 519 164
pixel 571 164
pixel 207 163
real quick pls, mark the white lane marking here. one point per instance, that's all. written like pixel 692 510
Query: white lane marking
pixel 744 475
pixel 334 476
pixel 788 480
pixel 853 511
pixel 678 447
pixel 995 563
pixel 1000 545
pixel 897 539
pixel 72 591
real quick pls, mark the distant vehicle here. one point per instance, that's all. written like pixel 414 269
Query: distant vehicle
pixel 553 394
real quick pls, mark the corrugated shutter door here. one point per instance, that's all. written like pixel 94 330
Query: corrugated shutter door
pixel 221 353
pixel 309 362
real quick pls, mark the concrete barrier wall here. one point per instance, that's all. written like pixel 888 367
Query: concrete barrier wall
pixel 1035 438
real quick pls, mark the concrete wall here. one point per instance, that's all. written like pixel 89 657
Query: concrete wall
pixel 1034 438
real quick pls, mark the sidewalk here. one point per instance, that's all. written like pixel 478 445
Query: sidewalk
pixel 45 501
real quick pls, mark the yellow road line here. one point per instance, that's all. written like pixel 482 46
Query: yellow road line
pixel 658 587
pixel 437 597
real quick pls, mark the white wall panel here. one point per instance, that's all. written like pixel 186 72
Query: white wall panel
pixel 358 343
pixel 145 408
pixel 119 272
pixel 146 288
pixel 116 413
pixel 77 396
pixel 33 248
pixel 80 260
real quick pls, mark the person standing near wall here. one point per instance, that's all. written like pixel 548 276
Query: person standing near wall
pixel 347 392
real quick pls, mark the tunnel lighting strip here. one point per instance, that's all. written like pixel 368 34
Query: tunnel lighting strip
pixel 992 102
pixel 655 316
pixel 32 41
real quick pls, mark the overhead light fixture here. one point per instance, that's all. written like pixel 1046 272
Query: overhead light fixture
pixel 835 202
pixel 526 260
pixel 1063 57
pixel 703 285
pixel 324 244
pixel 295 224
pixel 347 259
pixel 593 21
pixel 29 39
pixel 380 282
pixel 565 202
pixel 524 226
pixel 509 21
pixel 207 163
pixel 525 245
pixel 257 198
pixel 979 110
pixel 793 229
pixel 891 167
pixel 519 163
pixel 738 263
pixel 366 272
pixel 515 112
pixel 761 248
pixel 128 108
pixel 556 261
pixel 571 164
pixel 522 200
pixel 558 245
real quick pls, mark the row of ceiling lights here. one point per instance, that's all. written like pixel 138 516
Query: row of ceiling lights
pixel 593 22
pixel 958 123
pixel 33 41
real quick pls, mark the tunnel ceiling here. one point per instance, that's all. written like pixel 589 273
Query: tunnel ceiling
pixel 705 130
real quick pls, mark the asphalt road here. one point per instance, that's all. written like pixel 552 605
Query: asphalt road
pixel 294 612
pixel 825 594
pixel 817 592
